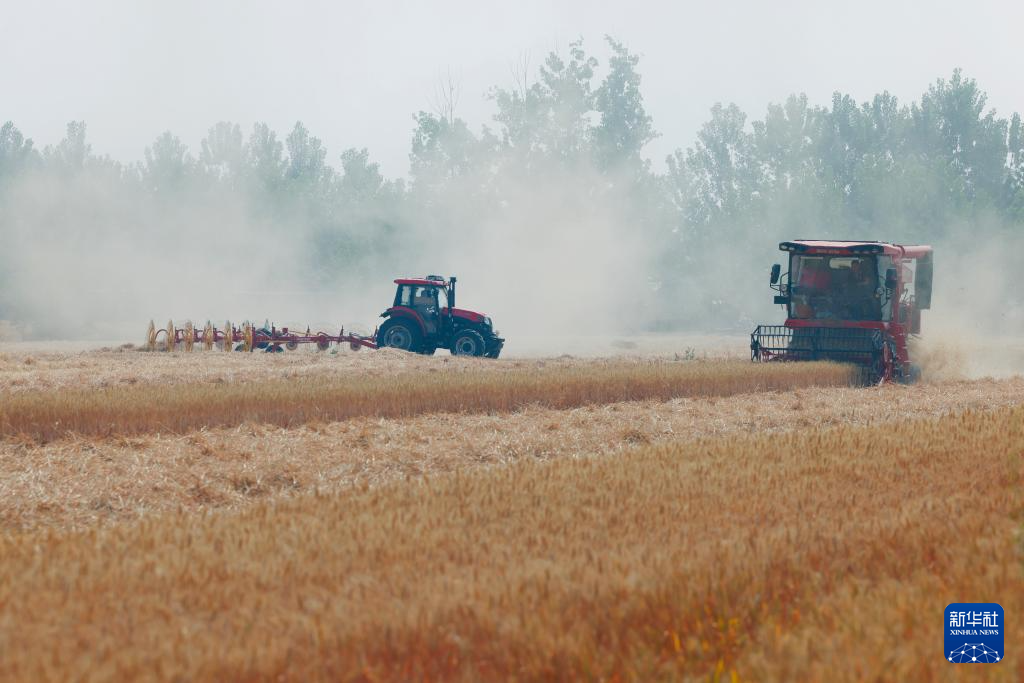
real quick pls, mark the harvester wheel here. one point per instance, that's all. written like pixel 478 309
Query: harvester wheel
pixel 190 336
pixel 468 343
pixel 291 344
pixel 170 335
pixel 398 334
pixel 151 337
pixel 208 336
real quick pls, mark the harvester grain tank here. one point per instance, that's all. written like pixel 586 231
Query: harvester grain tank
pixel 853 302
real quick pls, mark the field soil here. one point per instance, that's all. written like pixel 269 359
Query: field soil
pixel 726 525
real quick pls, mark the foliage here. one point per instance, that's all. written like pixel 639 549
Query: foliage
pixel 574 132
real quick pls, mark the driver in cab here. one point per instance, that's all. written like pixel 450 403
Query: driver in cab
pixel 813 286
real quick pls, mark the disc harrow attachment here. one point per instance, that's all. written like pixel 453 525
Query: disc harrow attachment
pixel 248 337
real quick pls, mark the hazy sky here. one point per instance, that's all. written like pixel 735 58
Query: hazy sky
pixel 354 72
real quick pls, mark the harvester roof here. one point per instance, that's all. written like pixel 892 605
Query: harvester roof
pixel 422 281
pixel 853 247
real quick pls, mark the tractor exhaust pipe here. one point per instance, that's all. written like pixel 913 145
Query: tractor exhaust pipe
pixel 451 291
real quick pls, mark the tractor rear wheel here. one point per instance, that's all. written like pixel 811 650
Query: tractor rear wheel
pixel 398 334
pixel 468 343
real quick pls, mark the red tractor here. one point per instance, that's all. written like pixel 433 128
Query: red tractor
pixel 855 302
pixel 423 319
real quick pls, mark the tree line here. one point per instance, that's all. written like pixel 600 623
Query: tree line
pixel 574 131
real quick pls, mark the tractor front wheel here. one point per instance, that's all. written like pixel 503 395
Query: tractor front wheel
pixel 398 334
pixel 468 343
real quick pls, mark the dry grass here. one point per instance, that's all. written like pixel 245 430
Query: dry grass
pixel 821 555
pixel 79 482
pixel 30 367
pixel 179 408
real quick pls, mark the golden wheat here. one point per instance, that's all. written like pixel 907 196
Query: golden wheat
pixel 83 481
pixel 802 556
pixel 182 407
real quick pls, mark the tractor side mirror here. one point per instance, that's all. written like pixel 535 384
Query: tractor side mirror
pixel 776 270
pixel 890 279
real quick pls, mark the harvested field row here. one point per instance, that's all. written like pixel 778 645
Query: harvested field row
pixel 80 482
pixel 28 367
pixel 180 408
pixel 20 372
pixel 760 558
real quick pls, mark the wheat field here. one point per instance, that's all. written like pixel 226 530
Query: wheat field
pixel 551 519
pixel 180 407
pixel 79 481
pixel 769 557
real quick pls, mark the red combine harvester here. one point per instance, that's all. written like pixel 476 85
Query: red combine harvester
pixel 852 302
pixel 422 319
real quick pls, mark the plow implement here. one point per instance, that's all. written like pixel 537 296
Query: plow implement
pixel 866 348
pixel 422 319
pixel 247 337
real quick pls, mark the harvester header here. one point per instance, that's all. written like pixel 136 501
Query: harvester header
pixel 849 301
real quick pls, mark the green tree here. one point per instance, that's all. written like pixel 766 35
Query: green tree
pixel 625 127
pixel 71 153
pixel 266 163
pixel 306 158
pixel 16 152
pixel 222 152
pixel 965 145
pixel 167 164
pixel 721 165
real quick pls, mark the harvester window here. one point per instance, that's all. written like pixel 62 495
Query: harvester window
pixel 404 297
pixel 835 288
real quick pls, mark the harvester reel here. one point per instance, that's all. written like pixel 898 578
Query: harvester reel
pixel 190 336
pixel 208 336
pixel 151 337
pixel 170 335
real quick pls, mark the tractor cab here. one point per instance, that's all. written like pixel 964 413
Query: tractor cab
pixel 423 318
pixel 427 298
pixel 849 301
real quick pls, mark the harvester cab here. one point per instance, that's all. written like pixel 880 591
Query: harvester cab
pixel 424 318
pixel 855 302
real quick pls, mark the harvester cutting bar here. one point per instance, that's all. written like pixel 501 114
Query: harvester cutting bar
pixel 864 347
